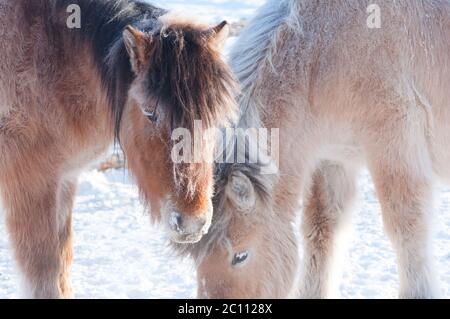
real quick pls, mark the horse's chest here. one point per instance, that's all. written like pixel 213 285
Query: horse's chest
pixel 342 153
pixel 82 159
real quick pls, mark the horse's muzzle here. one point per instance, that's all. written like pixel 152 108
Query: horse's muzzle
pixel 186 229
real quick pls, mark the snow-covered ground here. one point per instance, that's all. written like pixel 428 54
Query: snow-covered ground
pixel 119 254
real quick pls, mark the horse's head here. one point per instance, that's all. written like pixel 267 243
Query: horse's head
pixel 180 78
pixel 250 251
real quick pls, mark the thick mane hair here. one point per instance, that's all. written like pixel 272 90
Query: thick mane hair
pixel 249 58
pixel 186 74
pixel 253 168
pixel 103 22
pixel 189 75
pixel 255 49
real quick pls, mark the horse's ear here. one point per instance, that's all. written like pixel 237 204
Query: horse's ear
pixel 220 33
pixel 137 44
pixel 241 192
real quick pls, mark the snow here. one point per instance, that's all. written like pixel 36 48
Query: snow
pixel 213 10
pixel 119 254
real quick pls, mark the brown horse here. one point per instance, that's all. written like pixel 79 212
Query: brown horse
pixel 130 71
pixel 348 84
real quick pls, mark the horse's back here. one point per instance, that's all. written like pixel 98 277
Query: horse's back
pixel 406 66
pixel 410 50
pixel 365 79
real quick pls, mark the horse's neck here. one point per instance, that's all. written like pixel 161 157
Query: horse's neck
pixel 254 49
pixel 259 49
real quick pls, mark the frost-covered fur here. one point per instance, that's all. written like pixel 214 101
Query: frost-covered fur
pixel 65 94
pixel 240 224
pixel 346 96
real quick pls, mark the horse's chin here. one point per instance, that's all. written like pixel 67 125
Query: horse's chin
pixel 187 239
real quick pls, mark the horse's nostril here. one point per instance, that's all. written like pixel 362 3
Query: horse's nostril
pixel 203 222
pixel 175 222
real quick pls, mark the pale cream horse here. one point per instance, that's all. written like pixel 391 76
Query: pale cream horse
pixel 345 94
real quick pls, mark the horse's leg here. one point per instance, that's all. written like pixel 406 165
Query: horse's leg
pixel 66 196
pixel 326 207
pixel 402 171
pixel 30 195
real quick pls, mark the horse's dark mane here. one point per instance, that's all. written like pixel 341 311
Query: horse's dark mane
pixel 185 73
pixel 190 76
pixel 103 22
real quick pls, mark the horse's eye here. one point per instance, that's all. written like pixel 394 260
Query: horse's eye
pixel 239 258
pixel 152 116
